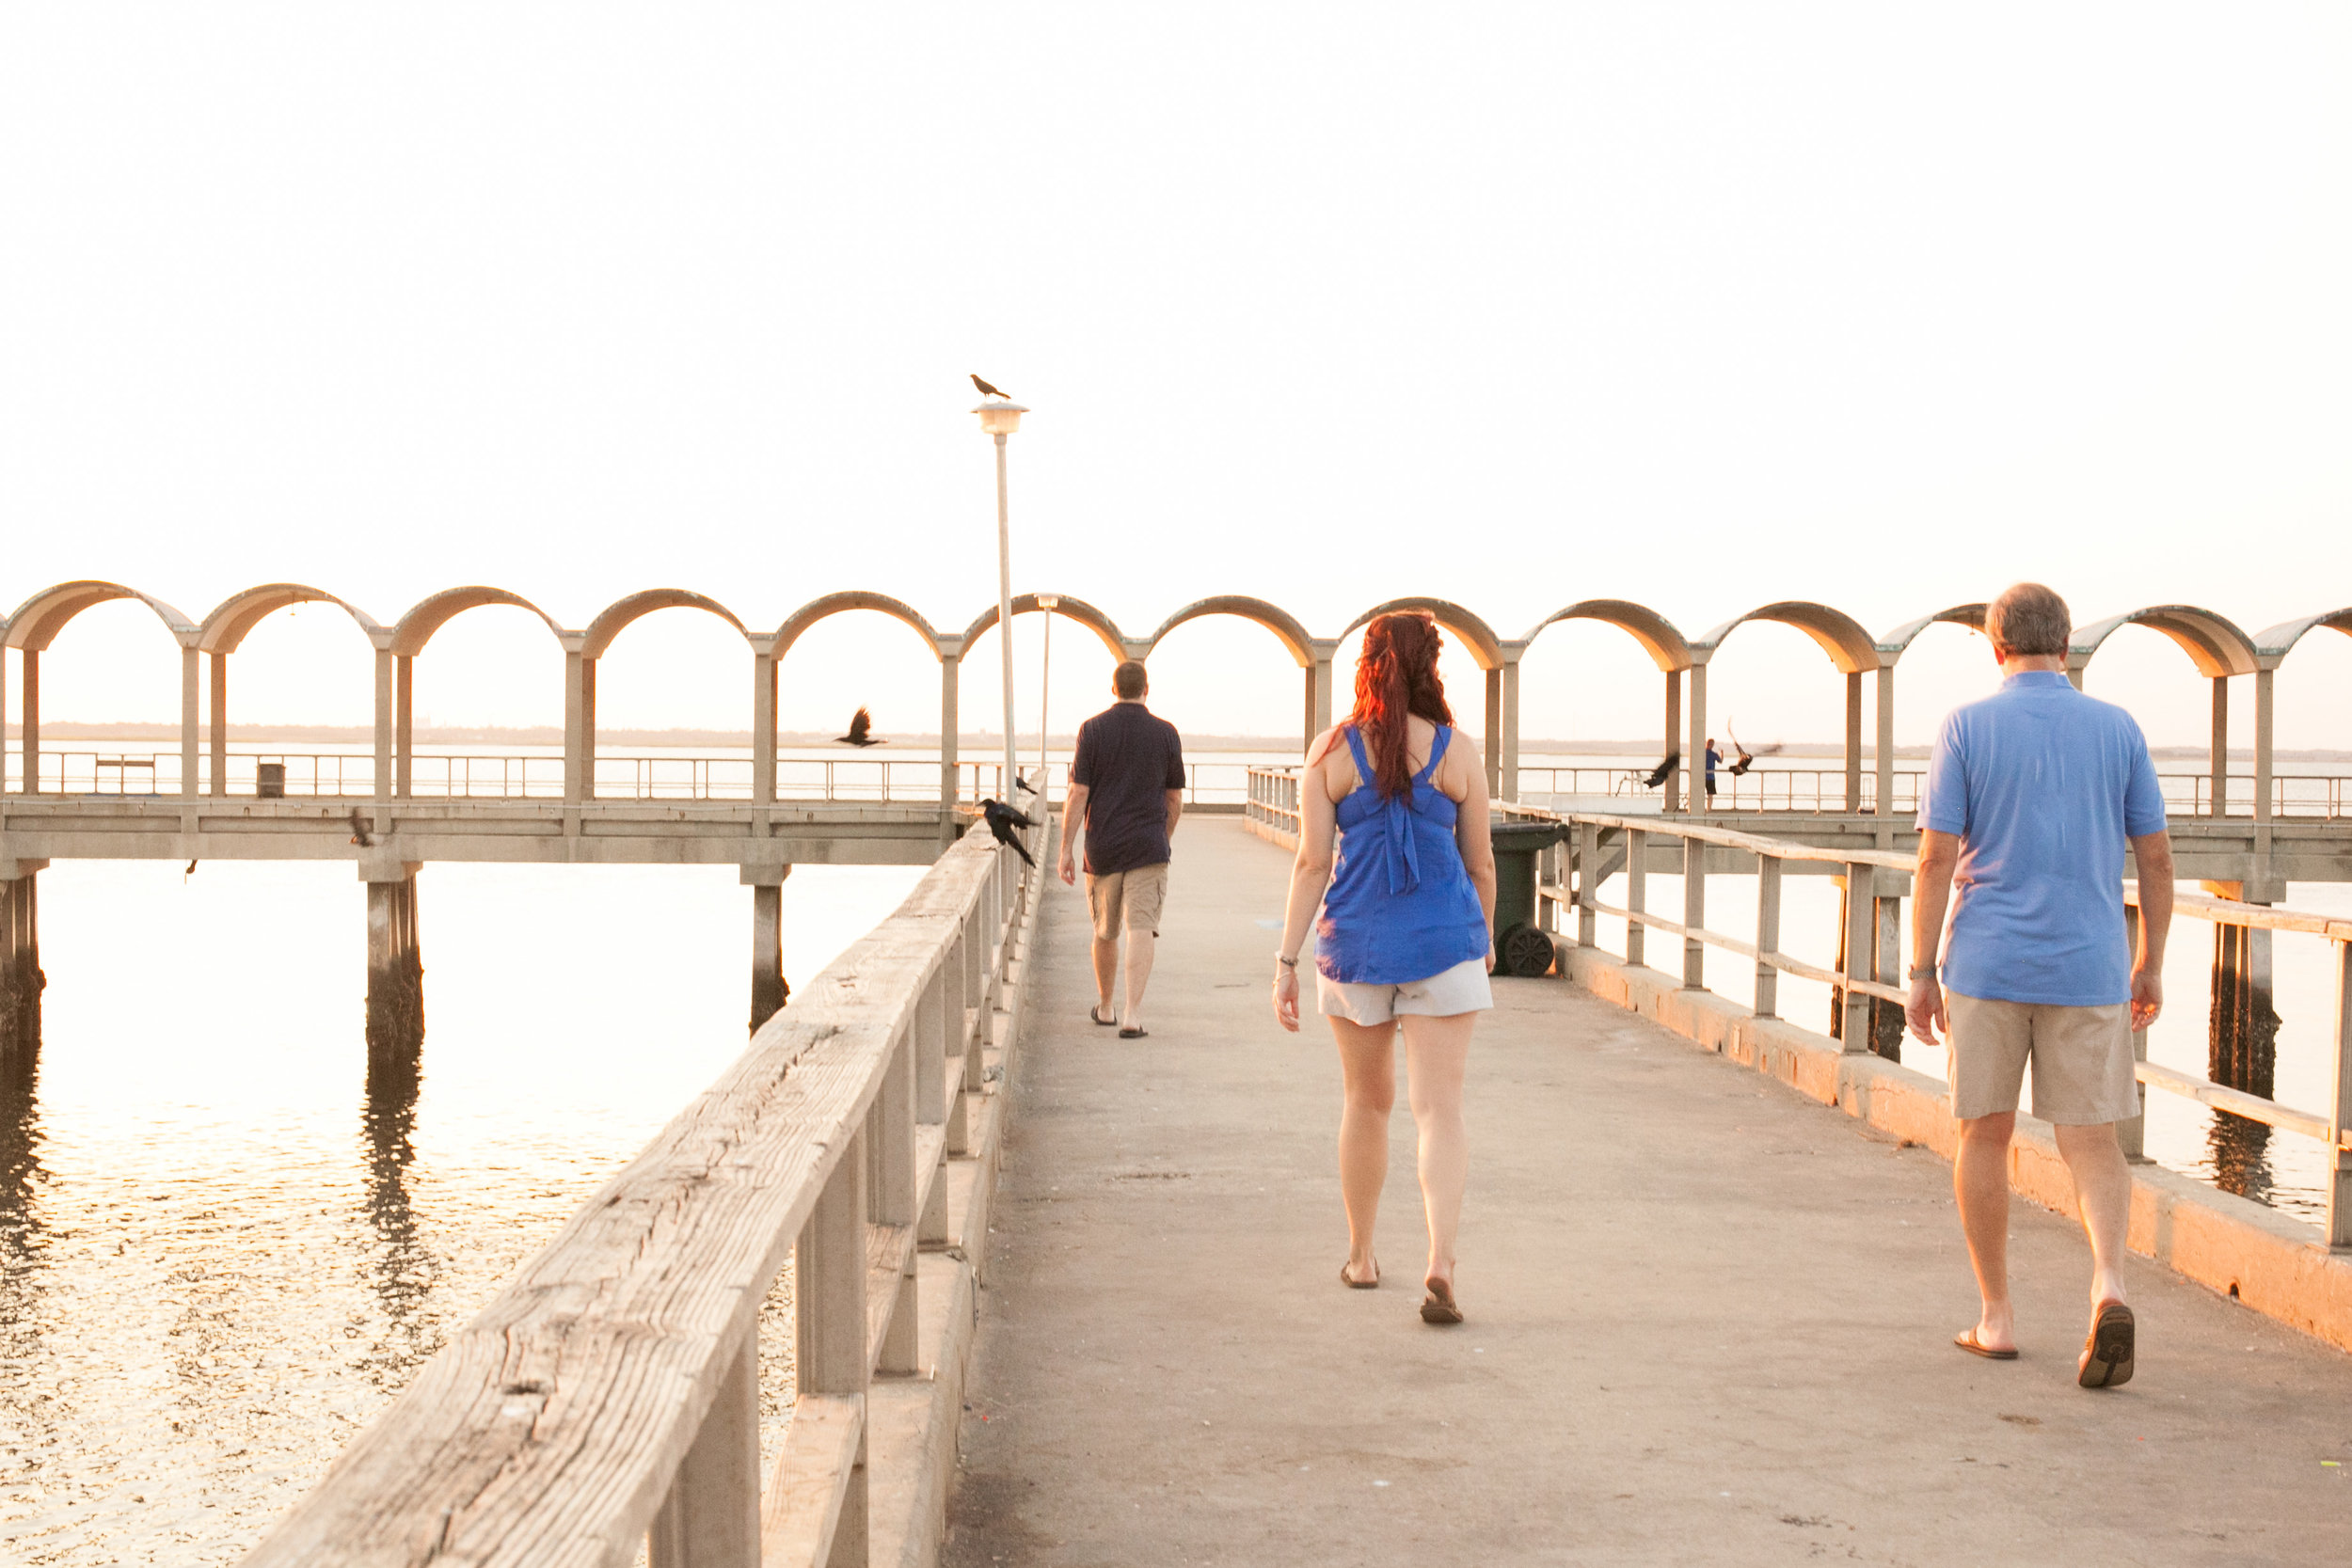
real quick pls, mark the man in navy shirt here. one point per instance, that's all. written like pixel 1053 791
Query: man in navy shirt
pixel 2032 798
pixel 1126 790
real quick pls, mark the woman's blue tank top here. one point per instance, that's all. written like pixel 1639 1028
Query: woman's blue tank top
pixel 1401 906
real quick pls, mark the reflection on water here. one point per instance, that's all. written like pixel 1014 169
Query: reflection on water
pixel 2238 1157
pixel 228 1238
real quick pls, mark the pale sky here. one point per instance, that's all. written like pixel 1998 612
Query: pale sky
pixel 1701 306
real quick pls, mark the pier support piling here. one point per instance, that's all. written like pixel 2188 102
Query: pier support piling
pixel 2243 1047
pixel 770 989
pixel 395 968
pixel 20 979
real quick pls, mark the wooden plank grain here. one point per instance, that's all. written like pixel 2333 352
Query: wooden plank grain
pixel 803 1500
pixel 549 1428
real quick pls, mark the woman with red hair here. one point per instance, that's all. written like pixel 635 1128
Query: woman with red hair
pixel 1402 911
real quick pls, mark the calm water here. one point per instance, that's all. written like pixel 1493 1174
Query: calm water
pixel 223 1249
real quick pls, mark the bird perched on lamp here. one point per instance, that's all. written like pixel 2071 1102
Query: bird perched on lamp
pixel 988 391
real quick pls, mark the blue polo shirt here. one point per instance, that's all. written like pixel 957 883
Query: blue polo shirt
pixel 2042 785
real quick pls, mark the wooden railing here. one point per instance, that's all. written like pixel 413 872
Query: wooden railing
pixel 1603 845
pixel 608 1396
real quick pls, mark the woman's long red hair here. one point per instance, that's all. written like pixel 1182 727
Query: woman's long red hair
pixel 1396 674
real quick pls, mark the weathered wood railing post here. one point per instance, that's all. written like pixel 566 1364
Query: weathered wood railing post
pixel 2339 1111
pixel 1767 935
pixel 1636 892
pixel 1857 962
pixel 890 1134
pixel 932 1030
pixel 1693 913
pixel 829 1307
pixel 710 1519
pixel 1587 882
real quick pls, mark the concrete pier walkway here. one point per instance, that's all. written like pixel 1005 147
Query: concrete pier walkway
pixel 1709 1319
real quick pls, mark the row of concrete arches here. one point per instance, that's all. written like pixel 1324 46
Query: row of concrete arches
pixel 2218 647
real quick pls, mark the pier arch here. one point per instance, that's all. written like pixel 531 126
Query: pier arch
pixel 2214 644
pixel 596 642
pixel 1656 635
pixel 224 631
pixel 396 680
pixel 1311 656
pixel 1067 607
pixel 946 652
pixel 2272 645
pixel 1892 646
pixel 36 625
pixel 1850 649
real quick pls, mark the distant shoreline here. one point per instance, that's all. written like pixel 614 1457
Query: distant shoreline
pixel 548 735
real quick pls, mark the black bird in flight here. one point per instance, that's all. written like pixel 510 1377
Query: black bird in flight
pixel 1002 820
pixel 861 732
pixel 988 391
pixel 1746 758
pixel 1024 785
pixel 1658 774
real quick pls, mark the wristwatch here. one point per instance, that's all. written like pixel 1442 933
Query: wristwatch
pixel 1924 971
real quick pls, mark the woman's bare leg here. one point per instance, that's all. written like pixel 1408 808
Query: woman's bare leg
pixel 1435 1051
pixel 1368 1074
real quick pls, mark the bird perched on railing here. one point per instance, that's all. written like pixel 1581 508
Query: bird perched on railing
pixel 1658 774
pixel 861 732
pixel 988 391
pixel 1002 820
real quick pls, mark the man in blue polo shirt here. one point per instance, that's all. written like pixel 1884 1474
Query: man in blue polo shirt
pixel 2032 798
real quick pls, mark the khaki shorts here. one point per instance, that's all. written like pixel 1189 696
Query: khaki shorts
pixel 2082 1059
pixel 1463 988
pixel 1127 900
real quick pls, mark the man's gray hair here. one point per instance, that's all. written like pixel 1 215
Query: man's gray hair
pixel 2028 618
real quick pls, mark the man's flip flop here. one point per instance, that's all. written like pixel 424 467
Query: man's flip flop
pixel 1094 1015
pixel 1134 1033
pixel 2110 1348
pixel 1968 1341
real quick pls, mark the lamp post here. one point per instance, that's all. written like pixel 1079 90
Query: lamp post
pixel 1048 603
pixel 1000 417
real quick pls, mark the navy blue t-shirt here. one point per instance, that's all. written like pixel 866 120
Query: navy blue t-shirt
pixel 1129 761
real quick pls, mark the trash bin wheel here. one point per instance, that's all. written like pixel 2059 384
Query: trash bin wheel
pixel 1524 950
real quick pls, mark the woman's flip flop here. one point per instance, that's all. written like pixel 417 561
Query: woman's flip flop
pixel 1371 1284
pixel 1968 1341
pixel 1439 1306
pixel 2109 1350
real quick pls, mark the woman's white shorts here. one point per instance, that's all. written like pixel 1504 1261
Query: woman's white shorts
pixel 1463 988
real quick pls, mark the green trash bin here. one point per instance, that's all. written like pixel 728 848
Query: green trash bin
pixel 1520 946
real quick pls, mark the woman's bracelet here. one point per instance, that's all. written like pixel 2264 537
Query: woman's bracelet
pixel 1924 971
pixel 1286 963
